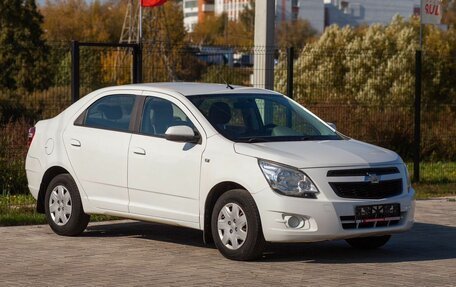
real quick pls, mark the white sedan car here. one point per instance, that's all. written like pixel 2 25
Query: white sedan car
pixel 246 166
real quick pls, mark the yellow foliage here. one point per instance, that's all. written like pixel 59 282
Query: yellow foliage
pixel 66 20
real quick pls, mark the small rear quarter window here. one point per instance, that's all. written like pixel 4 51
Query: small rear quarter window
pixel 110 112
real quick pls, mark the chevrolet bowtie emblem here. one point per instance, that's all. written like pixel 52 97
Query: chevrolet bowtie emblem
pixel 373 178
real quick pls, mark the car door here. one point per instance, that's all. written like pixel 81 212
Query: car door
pixel 97 147
pixel 163 175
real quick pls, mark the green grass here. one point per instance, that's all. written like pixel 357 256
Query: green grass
pixel 16 200
pixel 434 190
pixel 436 172
pixel 437 179
pixel 20 210
pixel 14 219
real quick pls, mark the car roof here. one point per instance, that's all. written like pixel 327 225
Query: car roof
pixel 190 89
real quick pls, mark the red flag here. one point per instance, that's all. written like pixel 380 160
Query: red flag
pixel 152 3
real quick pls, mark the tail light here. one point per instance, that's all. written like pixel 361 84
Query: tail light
pixel 31 135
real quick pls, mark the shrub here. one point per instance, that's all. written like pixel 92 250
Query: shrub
pixel 13 149
pixel 221 74
pixel 12 110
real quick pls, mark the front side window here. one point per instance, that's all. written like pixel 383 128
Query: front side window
pixel 261 118
pixel 159 114
pixel 110 112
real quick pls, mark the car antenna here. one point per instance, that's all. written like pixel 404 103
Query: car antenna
pixel 228 86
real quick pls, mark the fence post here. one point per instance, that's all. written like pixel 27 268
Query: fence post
pixel 417 133
pixel 290 58
pixel 137 64
pixel 75 80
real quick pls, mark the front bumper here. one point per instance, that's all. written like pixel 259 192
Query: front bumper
pixel 322 217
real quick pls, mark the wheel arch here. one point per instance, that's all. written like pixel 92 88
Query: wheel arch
pixel 211 199
pixel 47 177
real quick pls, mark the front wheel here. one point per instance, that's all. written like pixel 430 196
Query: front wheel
pixel 63 207
pixel 371 242
pixel 236 226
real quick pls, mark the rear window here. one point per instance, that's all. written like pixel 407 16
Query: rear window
pixel 110 112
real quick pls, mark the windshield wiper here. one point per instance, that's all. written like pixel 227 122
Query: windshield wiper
pixel 279 139
pixel 305 138
pixel 252 140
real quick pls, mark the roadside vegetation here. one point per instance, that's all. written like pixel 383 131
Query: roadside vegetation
pixel 21 210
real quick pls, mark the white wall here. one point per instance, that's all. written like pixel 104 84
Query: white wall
pixel 190 14
pixel 314 12
pixel 369 11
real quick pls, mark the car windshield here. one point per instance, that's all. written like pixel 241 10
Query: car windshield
pixel 261 118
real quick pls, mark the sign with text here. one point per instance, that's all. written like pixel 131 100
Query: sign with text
pixel 431 11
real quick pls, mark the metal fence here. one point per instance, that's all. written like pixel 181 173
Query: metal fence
pixel 369 97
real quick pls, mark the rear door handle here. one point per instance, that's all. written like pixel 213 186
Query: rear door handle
pixel 75 143
pixel 139 151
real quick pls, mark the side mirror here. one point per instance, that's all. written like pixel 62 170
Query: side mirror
pixel 332 125
pixel 181 134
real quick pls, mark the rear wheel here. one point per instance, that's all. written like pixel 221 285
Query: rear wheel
pixel 372 242
pixel 236 226
pixel 63 207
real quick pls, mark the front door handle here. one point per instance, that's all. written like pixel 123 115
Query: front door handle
pixel 75 142
pixel 139 151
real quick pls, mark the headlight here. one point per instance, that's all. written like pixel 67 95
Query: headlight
pixel 288 181
pixel 409 181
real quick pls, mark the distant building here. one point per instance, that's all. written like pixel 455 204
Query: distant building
pixel 310 10
pixel 314 12
pixel 287 10
pixel 190 9
pixel 232 8
pixel 359 12
pixel 195 11
pixel 319 13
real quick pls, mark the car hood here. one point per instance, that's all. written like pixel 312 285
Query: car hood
pixel 330 153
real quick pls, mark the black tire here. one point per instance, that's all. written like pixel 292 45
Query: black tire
pixel 76 222
pixel 372 242
pixel 254 243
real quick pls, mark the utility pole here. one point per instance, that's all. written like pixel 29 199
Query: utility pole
pixel 263 71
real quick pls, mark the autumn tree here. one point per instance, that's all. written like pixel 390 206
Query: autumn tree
pixel 294 33
pixel 211 30
pixel 375 65
pixel 99 21
pixel 22 47
pixel 166 55
pixel 95 21
pixel 219 30
pixel 242 31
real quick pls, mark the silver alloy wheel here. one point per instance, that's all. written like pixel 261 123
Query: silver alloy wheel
pixel 60 205
pixel 232 226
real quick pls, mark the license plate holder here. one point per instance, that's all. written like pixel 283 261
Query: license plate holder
pixel 378 212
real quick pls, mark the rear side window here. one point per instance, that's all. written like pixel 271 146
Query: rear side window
pixel 110 112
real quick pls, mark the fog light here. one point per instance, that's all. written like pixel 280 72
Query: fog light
pixel 293 222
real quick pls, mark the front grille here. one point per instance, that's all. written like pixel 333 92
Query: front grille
pixel 363 171
pixel 368 190
pixel 350 222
